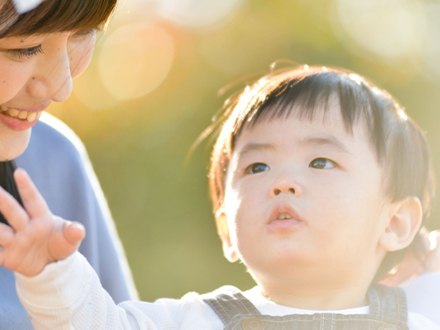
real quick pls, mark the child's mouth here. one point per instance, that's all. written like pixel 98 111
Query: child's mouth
pixel 283 217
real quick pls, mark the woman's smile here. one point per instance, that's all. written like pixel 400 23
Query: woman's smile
pixel 30 116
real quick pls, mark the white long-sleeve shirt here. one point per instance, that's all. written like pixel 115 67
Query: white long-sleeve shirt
pixel 67 295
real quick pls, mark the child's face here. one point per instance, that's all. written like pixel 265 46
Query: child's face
pixel 304 200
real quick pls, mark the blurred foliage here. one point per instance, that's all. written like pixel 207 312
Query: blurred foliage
pixel 138 146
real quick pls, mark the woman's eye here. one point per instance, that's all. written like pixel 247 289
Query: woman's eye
pixel 322 163
pixel 257 168
pixel 25 52
pixel 84 34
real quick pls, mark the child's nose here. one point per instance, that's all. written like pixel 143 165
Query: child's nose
pixel 285 185
pixel 277 191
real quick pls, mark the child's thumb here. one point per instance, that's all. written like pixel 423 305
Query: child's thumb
pixel 74 232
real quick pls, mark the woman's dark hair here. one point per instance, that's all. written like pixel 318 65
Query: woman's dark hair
pixel 55 16
pixel 7 169
pixel 400 146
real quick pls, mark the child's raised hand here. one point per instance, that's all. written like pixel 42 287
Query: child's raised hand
pixel 413 265
pixel 36 237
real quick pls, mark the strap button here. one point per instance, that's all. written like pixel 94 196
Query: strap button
pixel 253 323
pixel 388 327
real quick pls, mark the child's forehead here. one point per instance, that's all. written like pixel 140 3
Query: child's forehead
pixel 323 117
pixel 325 129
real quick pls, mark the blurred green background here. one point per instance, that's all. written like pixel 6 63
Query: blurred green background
pixel 154 84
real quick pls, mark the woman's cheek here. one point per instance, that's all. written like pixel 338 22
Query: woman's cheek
pixel 13 77
pixel 81 55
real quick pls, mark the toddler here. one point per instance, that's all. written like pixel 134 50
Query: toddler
pixel 319 183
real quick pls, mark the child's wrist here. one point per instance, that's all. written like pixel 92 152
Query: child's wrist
pixel 67 273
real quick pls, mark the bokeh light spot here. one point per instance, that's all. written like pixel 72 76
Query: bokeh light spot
pixel 388 28
pixel 90 90
pixel 135 59
pixel 431 42
pixel 197 13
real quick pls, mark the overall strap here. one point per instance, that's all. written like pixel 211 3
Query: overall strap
pixel 387 311
pixel 388 303
pixel 227 302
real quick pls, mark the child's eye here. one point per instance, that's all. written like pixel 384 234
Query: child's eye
pixel 322 163
pixel 25 52
pixel 257 168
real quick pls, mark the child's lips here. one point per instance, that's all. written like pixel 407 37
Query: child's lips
pixel 283 216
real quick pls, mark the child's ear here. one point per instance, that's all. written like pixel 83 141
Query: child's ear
pixel 404 223
pixel 223 231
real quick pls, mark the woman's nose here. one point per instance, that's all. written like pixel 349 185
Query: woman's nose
pixel 285 185
pixel 52 78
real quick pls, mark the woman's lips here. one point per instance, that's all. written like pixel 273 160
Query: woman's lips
pixel 20 119
pixel 21 114
pixel 282 217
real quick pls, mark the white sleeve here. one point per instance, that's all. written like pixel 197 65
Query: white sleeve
pixel 419 322
pixel 67 295
pixel 423 295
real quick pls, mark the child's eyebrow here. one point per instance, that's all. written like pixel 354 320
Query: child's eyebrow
pixel 250 147
pixel 330 141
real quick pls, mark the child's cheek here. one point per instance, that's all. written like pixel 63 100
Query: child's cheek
pixel 232 202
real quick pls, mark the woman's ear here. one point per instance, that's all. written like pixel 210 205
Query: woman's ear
pixel 223 231
pixel 404 223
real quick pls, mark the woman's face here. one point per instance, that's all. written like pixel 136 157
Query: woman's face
pixel 34 71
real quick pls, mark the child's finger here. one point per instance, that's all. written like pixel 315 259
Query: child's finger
pixel 434 239
pixel 432 263
pixel 33 202
pixel 68 240
pixel 408 267
pixel 12 211
pixel 6 235
pixel 74 232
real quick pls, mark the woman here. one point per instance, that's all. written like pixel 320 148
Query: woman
pixel 41 50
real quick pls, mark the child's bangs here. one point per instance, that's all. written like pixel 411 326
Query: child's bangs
pixel 306 96
pixel 62 15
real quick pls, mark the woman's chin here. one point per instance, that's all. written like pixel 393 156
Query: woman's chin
pixel 13 143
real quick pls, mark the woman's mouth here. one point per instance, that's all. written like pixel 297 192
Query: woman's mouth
pixel 22 115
